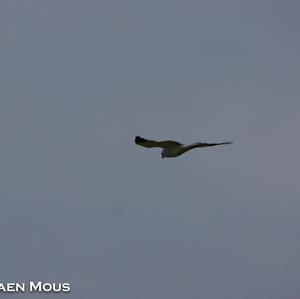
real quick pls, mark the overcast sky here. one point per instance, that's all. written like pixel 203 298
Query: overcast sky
pixel 81 203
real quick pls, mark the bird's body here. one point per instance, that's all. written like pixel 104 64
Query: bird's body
pixel 173 148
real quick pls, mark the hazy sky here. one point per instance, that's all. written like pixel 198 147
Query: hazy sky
pixel 81 203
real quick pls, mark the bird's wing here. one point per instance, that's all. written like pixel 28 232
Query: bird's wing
pixel 201 144
pixel 152 143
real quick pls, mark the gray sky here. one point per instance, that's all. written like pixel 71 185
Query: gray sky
pixel 80 202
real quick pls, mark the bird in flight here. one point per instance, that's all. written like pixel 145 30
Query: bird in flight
pixel 173 148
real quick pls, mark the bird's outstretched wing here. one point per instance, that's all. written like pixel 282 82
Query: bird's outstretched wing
pixel 201 144
pixel 152 143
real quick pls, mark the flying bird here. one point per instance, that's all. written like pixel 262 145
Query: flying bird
pixel 173 148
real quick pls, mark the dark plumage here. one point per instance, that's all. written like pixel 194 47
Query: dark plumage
pixel 173 148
